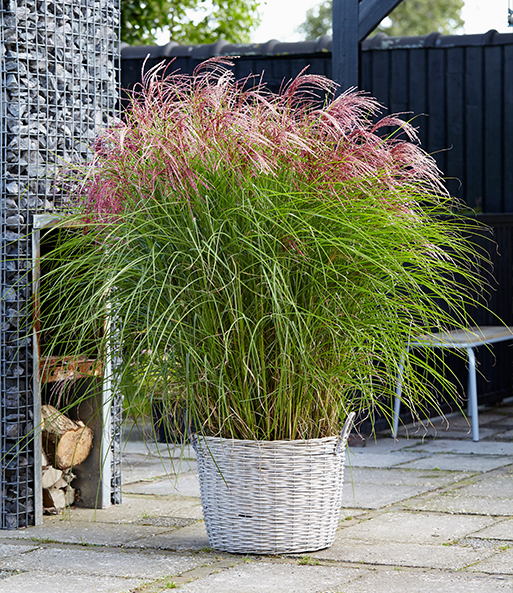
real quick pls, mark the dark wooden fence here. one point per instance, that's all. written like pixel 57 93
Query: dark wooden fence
pixel 496 364
pixel 460 90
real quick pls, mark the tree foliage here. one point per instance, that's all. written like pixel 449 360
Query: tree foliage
pixel 318 21
pixel 188 21
pixel 411 17
pixel 420 17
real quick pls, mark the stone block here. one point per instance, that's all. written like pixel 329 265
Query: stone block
pixel 264 577
pixel 415 528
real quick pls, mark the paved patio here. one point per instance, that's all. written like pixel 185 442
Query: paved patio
pixel 433 511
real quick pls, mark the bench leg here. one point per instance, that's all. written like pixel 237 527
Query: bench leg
pixel 472 393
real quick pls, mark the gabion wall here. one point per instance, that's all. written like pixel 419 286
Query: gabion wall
pixel 58 89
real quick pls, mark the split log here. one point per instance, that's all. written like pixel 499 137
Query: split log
pixel 66 443
pixel 54 500
pixel 65 481
pixel 51 476
pixel 60 494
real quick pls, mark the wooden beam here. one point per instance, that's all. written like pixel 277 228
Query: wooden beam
pixel 371 13
pixel 66 368
pixel 346 45
pixel 353 20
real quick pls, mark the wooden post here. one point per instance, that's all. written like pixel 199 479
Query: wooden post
pixel 353 20
pixel 346 46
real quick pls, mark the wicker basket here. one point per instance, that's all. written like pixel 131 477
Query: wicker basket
pixel 271 497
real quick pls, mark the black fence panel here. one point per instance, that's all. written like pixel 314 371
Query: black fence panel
pixel 474 122
pixel 495 378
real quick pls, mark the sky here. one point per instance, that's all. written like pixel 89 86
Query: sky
pixel 280 18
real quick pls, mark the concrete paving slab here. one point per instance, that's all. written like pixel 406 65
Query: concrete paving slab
pixel 158 449
pixel 193 537
pixel 185 484
pixel 54 582
pixel 143 467
pixel 443 432
pixel 498 484
pixel 415 528
pixel 443 424
pixel 507 435
pixel 499 563
pixel 502 530
pixel 266 577
pixel 98 562
pixel 84 533
pixel 377 496
pixel 451 462
pixel 348 513
pixel 137 430
pixel 401 581
pixel 364 458
pixel 387 445
pixel 375 488
pixel 137 507
pixel 464 447
pixel 504 423
pixel 451 426
pixel 402 554
pixel 138 447
pixel 491 495
pixel 459 503
pixel 427 479
pixel 507 418
pixel 496 417
pixel 506 409
pixel 10 550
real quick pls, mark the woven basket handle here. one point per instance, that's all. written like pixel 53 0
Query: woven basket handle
pixel 342 440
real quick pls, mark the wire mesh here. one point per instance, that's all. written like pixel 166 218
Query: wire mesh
pixel 58 89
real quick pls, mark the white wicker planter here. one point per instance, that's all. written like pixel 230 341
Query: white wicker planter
pixel 271 497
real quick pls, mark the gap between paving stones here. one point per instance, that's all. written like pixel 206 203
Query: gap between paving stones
pixel 483 571
pixel 194 574
pixel 209 553
pixel 211 560
pixel 230 562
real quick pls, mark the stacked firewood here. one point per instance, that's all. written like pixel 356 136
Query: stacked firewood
pixel 66 444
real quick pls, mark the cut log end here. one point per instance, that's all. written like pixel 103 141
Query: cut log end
pixel 73 447
pixel 67 443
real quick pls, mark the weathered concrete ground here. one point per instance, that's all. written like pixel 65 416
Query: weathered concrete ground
pixel 420 514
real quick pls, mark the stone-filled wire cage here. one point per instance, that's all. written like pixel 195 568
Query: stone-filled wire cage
pixel 59 73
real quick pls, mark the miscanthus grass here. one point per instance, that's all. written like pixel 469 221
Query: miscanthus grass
pixel 262 260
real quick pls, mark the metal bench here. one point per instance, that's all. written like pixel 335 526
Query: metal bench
pixel 462 340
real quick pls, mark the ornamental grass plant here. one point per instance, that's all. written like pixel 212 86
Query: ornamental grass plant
pixel 262 260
